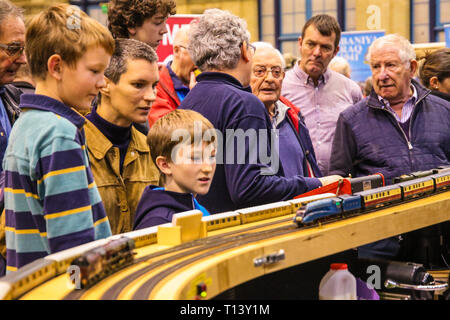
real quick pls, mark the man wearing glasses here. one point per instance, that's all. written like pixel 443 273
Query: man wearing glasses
pixel 12 39
pixel 296 150
pixel 175 79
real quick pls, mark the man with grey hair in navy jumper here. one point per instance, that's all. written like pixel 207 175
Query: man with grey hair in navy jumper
pixel 219 46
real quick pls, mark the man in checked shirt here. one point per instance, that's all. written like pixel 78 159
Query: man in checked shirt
pixel 318 91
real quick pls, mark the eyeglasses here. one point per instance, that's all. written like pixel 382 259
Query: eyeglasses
pixel 253 47
pixel 13 49
pixel 261 71
pixel 249 45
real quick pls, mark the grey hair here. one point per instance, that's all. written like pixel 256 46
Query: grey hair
pixel 406 51
pixel 215 39
pixel 267 45
pixel 9 9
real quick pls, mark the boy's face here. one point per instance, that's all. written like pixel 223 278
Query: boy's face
pixel 133 95
pixel 193 169
pixel 79 85
pixel 151 31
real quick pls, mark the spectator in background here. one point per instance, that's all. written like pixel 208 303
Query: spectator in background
pixel 368 86
pixel 290 60
pixel 222 95
pixel 318 91
pixel 400 128
pixel 175 79
pixel 341 65
pixel 12 57
pixel 119 155
pixel 296 150
pixel 435 73
pixel 143 20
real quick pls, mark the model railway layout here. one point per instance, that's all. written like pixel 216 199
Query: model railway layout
pixel 103 258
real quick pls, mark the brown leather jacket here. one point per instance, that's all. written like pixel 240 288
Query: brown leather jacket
pixel 120 193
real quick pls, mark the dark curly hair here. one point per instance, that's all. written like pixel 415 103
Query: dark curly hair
pixel 124 14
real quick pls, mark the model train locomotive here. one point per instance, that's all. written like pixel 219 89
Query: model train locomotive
pixel 99 262
pixel 346 205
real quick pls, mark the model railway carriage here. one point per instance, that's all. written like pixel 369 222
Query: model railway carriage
pixel 380 197
pixel 421 174
pixel 97 263
pixel 222 220
pixel 416 188
pixel 266 211
pixel 366 183
pixel 441 181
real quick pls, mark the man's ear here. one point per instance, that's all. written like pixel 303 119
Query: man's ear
pixel 300 42
pixel 245 52
pixel 413 67
pixel 336 51
pixel 55 66
pixel 163 165
pixel 176 49
pixel 105 91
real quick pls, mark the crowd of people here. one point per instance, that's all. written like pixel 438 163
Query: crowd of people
pixel 103 140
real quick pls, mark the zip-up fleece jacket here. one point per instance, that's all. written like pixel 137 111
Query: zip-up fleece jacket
pixel 158 206
pixel 369 139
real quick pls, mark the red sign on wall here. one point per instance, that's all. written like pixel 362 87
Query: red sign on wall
pixel 173 24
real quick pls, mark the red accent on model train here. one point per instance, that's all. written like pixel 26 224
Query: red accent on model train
pixel 346 188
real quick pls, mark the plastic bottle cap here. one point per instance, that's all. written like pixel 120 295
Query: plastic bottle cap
pixel 338 266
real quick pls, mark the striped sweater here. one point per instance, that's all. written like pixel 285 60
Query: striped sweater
pixel 51 200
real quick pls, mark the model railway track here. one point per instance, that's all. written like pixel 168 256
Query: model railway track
pixel 144 291
pixel 202 249
pixel 195 246
pixel 209 246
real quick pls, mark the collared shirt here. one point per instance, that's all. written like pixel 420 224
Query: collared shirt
pixel 407 108
pixel 320 105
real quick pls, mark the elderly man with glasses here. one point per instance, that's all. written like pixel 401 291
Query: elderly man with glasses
pixel 296 151
pixel 12 39
pixel 175 79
